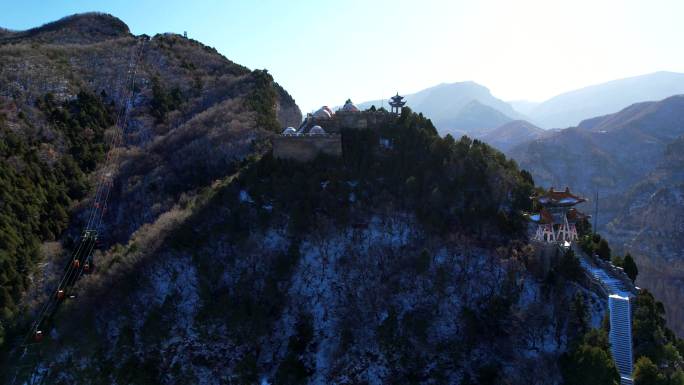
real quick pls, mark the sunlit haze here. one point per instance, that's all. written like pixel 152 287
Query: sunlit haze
pixel 324 52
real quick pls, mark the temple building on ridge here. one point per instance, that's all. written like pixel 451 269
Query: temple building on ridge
pixel 397 103
pixel 321 131
pixel 557 217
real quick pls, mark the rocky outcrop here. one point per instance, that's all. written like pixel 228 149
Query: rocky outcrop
pixel 287 111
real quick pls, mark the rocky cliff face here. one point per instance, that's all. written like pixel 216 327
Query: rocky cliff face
pixel 288 112
pixel 337 305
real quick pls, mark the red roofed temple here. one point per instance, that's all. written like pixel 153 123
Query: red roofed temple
pixel 557 218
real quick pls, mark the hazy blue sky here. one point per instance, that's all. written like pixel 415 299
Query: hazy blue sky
pixel 325 51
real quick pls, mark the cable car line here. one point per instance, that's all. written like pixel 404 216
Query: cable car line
pixel 81 258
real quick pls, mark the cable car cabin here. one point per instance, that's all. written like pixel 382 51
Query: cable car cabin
pixel 38 336
pixel 76 264
pixel 360 225
pixel 60 294
pixel 86 267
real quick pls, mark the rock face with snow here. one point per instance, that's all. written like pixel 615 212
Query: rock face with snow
pixel 340 305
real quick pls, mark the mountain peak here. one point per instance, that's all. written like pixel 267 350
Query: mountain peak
pixel 83 28
pixel 464 84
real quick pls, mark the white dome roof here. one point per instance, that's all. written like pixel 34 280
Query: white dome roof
pixel 350 107
pixel 323 113
pixel 290 131
pixel 316 130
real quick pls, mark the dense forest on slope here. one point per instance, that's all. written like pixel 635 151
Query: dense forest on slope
pixel 451 186
pixel 38 186
pixel 61 86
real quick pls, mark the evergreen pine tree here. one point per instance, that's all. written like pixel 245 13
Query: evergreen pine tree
pixel 646 373
pixel 630 267
pixel 603 250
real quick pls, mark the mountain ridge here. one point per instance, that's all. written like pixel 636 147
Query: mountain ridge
pixel 569 108
pixel 75 29
pixel 511 134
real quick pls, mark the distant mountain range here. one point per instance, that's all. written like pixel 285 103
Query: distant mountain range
pixel 569 108
pixel 609 153
pixel 470 108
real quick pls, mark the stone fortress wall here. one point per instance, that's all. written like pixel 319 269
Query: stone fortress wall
pixel 358 120
pixel 304 145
